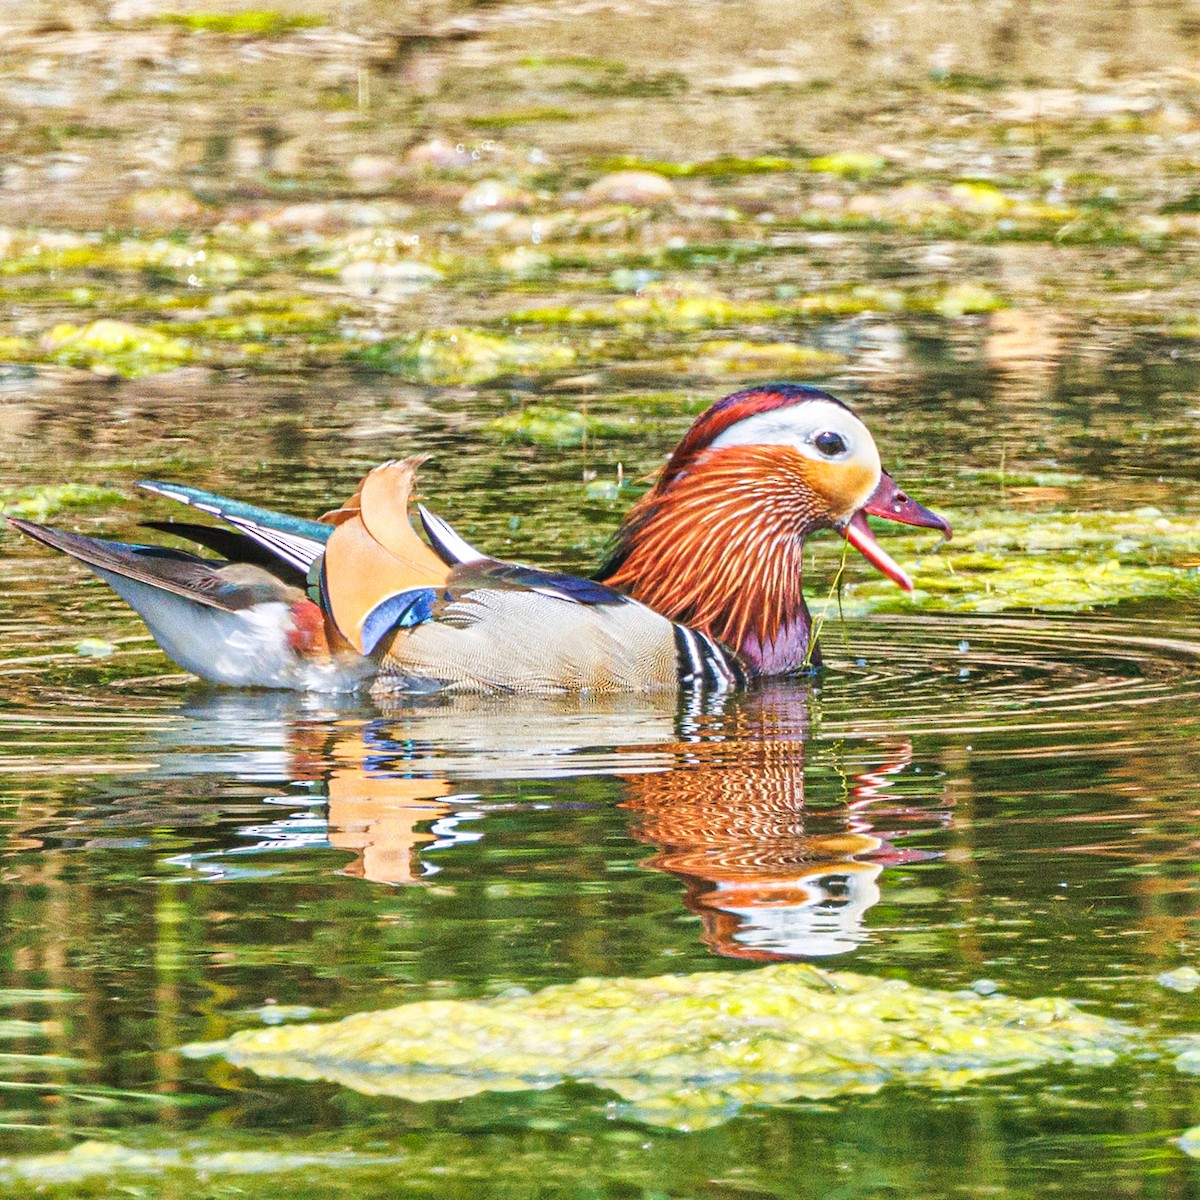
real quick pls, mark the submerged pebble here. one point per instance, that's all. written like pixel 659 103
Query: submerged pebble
pixel 494 195
pixel 373 172
pixel 630 187
pixel 1183 979
pixel 164 208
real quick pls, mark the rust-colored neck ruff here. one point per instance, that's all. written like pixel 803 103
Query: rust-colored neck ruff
pixel 720 548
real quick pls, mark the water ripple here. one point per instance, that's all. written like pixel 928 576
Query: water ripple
pixel 934 674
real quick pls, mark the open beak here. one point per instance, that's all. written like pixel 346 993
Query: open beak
pixel 889 501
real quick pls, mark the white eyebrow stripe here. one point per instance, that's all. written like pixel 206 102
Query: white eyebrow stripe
pixel 794 425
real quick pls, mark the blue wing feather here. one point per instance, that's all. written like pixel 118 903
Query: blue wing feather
pixel 496 573
pixel 402 610
pixel 222 506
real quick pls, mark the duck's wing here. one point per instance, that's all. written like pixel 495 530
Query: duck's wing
pixel 450 545
pixel 374 557
pixel 496 626
pixel 293 540
pixel 233 546
pixel 159 567
pixel 378 576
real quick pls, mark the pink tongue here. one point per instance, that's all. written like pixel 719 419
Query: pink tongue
pixel 858 533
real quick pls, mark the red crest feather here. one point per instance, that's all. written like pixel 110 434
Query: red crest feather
pixel 726 413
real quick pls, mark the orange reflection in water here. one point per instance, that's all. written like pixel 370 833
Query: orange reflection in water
pixel 381 815
pixel 720 793
pixel 768 878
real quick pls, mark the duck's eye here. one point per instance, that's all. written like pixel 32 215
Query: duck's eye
pixel 829 443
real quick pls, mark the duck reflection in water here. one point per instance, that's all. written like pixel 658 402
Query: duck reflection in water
pixel 717 787
pixel 769 878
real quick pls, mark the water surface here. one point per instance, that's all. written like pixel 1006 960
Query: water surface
pixel 989 797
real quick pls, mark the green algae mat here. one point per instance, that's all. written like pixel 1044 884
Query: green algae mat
pixel 1049 561
pixel 686 1051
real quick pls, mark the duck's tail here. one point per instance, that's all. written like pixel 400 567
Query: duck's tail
pixel 228 622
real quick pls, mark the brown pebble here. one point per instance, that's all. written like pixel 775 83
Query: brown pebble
pixel 630 187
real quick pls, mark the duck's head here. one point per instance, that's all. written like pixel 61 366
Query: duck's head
pixel 718 542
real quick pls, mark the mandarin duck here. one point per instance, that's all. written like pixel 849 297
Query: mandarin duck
pixel 702 587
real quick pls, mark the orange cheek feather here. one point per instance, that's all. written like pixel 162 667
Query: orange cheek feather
pixel 845 487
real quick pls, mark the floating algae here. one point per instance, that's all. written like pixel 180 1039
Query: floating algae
pixel 674 304
pixel 686 1050
pixel 544 425
pixel 465 356
pixel 759 164
pixel 746 358
pixel 687 303
pixel 1062 561
pixel 38 503
pixel 115 347
pixel 251 23
pixel 852 164
pixel 682 305
pixel 98 1160
pixel 196 262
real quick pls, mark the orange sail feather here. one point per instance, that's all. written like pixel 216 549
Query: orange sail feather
pixel 374 551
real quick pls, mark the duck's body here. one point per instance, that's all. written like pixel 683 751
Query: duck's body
pixel 703 588
pixel 482 624
pixel 596 642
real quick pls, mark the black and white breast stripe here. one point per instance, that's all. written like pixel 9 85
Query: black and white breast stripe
pixel 706 663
